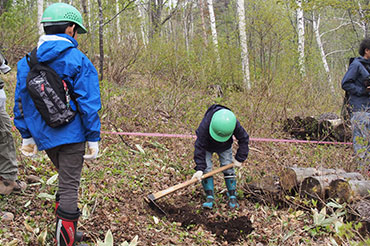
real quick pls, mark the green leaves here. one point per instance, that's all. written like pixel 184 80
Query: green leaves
pixel 108 241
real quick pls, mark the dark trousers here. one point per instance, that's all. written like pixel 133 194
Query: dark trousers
pixel 68 159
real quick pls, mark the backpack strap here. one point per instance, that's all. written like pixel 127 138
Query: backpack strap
pixel 366 66
pixel 32 58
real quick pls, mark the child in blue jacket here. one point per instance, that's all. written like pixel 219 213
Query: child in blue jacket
pixel 65 145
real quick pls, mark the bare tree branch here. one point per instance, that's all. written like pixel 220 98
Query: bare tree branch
pixel 123 9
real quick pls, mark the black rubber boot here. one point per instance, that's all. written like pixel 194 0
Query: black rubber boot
pixel 66 226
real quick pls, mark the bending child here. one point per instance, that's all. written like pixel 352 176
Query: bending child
pixel 215 135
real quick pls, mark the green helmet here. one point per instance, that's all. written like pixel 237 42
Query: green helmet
pixel 60 13
pixel 222 125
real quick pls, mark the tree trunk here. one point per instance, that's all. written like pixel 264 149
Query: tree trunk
pixel 243 44
pixel 118 24
pixel 40 11
pixel 201 10
pixel 101 44
pixel 363 17
pixel 316 27
pixel 213 27
pixel 300 27
pixel 141 11
pixel 155 13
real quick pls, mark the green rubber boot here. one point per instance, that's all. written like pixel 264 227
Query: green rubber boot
pixel 208 187
pixel 231 188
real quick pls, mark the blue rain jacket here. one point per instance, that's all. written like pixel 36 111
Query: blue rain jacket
pixel 353 84
pixel 205 142
pixel 61 53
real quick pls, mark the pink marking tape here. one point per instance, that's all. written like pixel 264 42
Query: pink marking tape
pixel 193 136
pixel 142 134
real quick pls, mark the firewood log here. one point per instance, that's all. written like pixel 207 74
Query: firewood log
pixel 336 185
pixel 291 177
pixel 315 186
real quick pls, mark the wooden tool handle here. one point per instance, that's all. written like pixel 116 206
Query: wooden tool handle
pixel 171 189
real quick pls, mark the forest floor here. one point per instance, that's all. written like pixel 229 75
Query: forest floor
pixel 129 168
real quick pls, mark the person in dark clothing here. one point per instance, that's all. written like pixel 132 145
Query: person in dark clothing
pixel 356 83
pixel 215 135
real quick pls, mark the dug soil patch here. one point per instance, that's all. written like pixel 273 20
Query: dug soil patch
pixel 230 229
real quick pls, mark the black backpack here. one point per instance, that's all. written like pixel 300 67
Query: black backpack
pixel 49 92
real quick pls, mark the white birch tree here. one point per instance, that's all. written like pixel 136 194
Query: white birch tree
pixel 212 20
pixel 363 23
pixel 243 44
pixel 300 28
pixel 118 22
pixel 40 11
pixel 142 14
pixel 316 29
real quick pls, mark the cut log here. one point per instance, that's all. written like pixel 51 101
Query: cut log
pixel 325 127
pixel 340 189
pixel 291 177
pixel 360 188
pixel 347 187
pixel 336 185
pixel 316 186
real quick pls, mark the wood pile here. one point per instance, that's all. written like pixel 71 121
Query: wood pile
pixel 318 183
pixel 325 127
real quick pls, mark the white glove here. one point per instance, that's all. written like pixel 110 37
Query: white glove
pixel 93 150
pixel 4 68
pixel 2 99
pixel 236 163
pixel 198 175
pixel 29 147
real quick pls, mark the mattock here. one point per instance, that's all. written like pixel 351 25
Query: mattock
pixel 151 198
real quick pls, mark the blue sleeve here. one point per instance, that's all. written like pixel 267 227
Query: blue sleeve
pixel 86 87
pixel 19 121
pixel 243 141
pixel 352 81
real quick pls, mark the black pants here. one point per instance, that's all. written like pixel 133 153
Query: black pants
pixel 68 159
